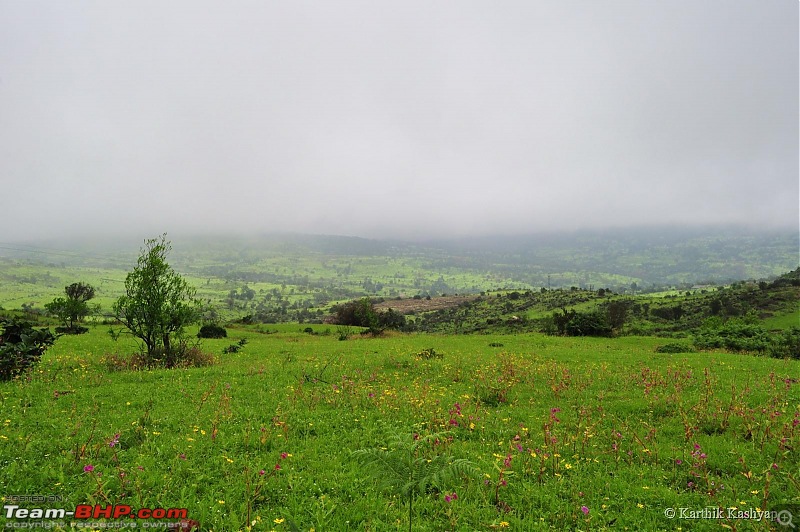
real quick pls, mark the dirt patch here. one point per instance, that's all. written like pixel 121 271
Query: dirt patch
pixel 407 306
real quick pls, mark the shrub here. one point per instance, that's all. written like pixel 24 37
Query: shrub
pixel 674 347
pixel 75 329
pixel 212 330
pixel 21 347
pixel 428 354
pixel 235 348
pixel 733 335
pixel 786 344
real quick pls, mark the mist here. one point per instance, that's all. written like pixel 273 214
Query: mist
pixel 396 119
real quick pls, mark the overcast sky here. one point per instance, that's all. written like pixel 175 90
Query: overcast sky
pixel 407 118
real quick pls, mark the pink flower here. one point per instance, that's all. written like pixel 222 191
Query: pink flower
pixel 88 468
pixel 449 498
pixel 277 467
pixel 585 510
pixel 284 455
pixel 261 473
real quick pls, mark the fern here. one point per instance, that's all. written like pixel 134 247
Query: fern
pixel 408 468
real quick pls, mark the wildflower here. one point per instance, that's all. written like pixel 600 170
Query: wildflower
pixel 585 510
pixel 88 468
pixel 114 441
pixel 278 520
pixel 503 524
pixel 221 501
pixel 261 473
pixel 182 456
pixel 678 461
pixel 284 455
pixel 277 467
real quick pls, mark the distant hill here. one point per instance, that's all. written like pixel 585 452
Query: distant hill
pixel 293 277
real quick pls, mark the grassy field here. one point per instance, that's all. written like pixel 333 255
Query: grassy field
pixel 564 433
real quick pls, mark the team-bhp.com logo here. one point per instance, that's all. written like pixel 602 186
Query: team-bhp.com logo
pixel 177 516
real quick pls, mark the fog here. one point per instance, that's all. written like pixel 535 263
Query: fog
pixel 396 119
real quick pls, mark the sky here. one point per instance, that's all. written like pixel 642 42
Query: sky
pixel 401 119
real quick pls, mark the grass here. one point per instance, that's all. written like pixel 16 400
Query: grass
pixel 567 433
pixel 783 321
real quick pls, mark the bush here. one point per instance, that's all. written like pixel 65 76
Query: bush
pixel 21 347
pixel 734 335
pixel 674 347
pixel 787 344
pixel 235 348
pixel 212 330
pixel 428 354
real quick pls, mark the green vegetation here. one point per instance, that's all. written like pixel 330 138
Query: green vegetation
pixel 157 305
pixel 21 347
pixel 72 310
pixel 512 405
pixel 264 438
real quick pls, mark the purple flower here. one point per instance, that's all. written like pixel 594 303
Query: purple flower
pixel 678 461
pixel 585 510
pixel 88 468
pixel 284 455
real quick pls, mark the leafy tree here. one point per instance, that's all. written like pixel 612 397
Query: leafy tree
pixel 72 309
pixel 359 313
pixel 21 347
pixel 158 304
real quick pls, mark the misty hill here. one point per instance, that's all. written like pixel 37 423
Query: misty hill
pixel 297 277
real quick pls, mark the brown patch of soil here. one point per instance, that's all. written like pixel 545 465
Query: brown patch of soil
pixel 407 306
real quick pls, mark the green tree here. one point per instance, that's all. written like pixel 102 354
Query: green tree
pixel 73 309
pixel 158 304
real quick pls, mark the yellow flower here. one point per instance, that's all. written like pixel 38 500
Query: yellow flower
pixel 279 520
pixel 640 505
pixel 503 524
pixel 221 501
pixel 567 466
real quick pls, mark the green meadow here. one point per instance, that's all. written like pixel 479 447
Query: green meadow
pixel 563 433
